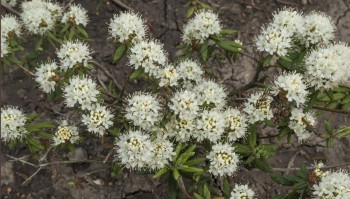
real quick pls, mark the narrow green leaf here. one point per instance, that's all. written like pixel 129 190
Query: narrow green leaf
pixel 50 35
pixel 342 89
pixel 197 196
pixel 190 12
pixel 227 32
pixel 252 138
pixel 65 28
pixel 327 126
pixel 161 172
pixel 38 44
pixel 263 165
pixel 203 52
pixel 346 99
pixel 82 31
pixel 300 185
pixel 203 5
pixel 71 34
pixel 14 60
pixel 293 195
pixel 283 133
pixel 345 106
pixel 137 73
pixel 195 161
pixel 241 149
pixel 176 174
pixel 188 169
pixel 45 135
pixel 31 117
pixel 206 192
pixel 229 46
pixel 330 94
pixel 119 52
pixel 280 180
pixel 226 188
pixel 267 60
pixel 338 96
pixel 38 126
pixel 281 196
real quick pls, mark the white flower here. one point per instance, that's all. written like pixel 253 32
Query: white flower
pixel 335 185
pixel 299 121
pixel 343 51
pixel 223 160
pixel 149 55
pixel 291 86
pixel 82 90
pixel 317 171
pixel 76 15
pixel 73 54
pixel 190 72
pixel 143 109
pixel 66 133
pixel 46 75
pixel 12 123
pixel 4 46
pixel 200 27
pixel 211 94
pixel 162 153
pixel 289 20
pixel 181 129
pixel 38 19
pixel 55 9
pixel 134 149
pixel 258 107
pixel 184 103
pixel 235 123
pixel 10 25
pixel 10 3
pixel 274 41
pixel 167 76
pixel 127 26
pixel 242 192
pixel 210 125
pixel 325 67
pixel 318 29
pixel 98 120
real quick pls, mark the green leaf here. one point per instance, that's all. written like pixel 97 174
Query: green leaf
pixel 269 123
pixel 292 178
pixel 161 172
pixel 53 37
pixel 252 136
pixel 203 52
pixel 241 149
pixel 312 100
pixel 267 60
pixel 346 100
pixel 226 188
pixel 263 165
pixel 203 5
pixel 38 44
pixel 31 117
pixel 119 52
pixel 249 160
pixel 300 185
pixel 14 60
pixel 190 12
pixel 293 195
pixel 197 196
pixel 345 106
pixel 35 144
pixel 229 45
pixel 206 192
pixel 280 179
pixel 188 169
pixel 342 89
pixel 327 126
pixel 338 96
pixel 176 174
pixel 71 148
pixel 82 31
pixel 38 126
pixel 45 135
pixel 227 32
pixel 65 28
pixel 195 161
pixel 283 133
pixel 137 73
pixel 330 94
pixel 281 196
pixel 71 34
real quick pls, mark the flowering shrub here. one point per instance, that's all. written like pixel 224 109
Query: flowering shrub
pixel 184 125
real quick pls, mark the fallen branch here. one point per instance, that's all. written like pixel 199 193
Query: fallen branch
pixel 121 4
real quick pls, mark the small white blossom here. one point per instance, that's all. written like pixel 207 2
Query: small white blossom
pixel 292 87
pixel 258 107
pixel 318 172
pixel 211 94
pixel 98 120
pixel 190 72
pixel 335 185
pixel 223 160
pixel 37 20
pixel 242 192
pixel 162 153
pixel 4 46
pixel 318 29
pixel 168 76
pixel 55 9
pixel 73 53
pixel 299 121
pixel 134 149
pixel 13 121
pixel 10 3
pixel 289 20
pixel 184 103
pixel 143 110
pixel 149 55
pixel 66 133
pixel 199 28
pixel 274 41
pixel 325 67
pixel 235 123
pixel 181 129
pixel 76 15
pixel 82 90
pixel 45 76
pixel 210 125
pixel 127 26
pixel 10 25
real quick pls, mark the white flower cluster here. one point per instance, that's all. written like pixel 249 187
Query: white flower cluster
pixel 127 26
pixel 318 172
pixel 143 109
pixel 182 129
pixel 98 119
pixel 40 16
pixel 211 94
pixel 242 192
pixel 10 3
pixel 66 133
pixel 168 76
pixel 76 15
pixel 292 87
pixel 82 90
pixel 13 121
pixel 326 67
pixel 335 185
pixel 210 125
pixel 135 150
pixel 236 124
pixel 185 104
pixel 74 54
pixel 199 28
pixel 299 121
pixel 46 75
pixel 149 55
pixel 258 107
pixel 190 73
pixel 4 46
pixel 223 160
pixel 288 25
pixel 10 25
